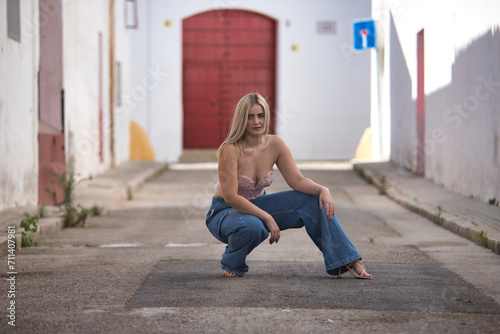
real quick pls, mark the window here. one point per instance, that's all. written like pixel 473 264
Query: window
pixel 13 20
pixel 131 14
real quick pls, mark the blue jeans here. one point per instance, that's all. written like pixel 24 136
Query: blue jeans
pixel 290 209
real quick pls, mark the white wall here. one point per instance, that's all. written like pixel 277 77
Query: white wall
pixel 19 66
pixel 82 22
pixel 19 109
pixel 462 45
pixel 323 90
pixel 122 111
pixel 403 119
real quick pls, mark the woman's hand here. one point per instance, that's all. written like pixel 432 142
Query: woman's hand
pixel 325 198
pixel 273 229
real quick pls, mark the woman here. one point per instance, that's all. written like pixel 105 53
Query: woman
pixel 242 215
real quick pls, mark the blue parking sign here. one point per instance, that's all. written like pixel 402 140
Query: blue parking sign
pixel 364 35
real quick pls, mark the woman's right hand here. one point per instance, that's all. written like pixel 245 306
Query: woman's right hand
pixel 273 229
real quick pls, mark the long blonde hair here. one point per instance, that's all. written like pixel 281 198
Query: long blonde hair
pixel 240 119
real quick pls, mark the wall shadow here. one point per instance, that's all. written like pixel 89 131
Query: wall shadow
pixel 403 112
pixel 463 122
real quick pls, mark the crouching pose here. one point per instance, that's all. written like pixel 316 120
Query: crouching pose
pixel 242 215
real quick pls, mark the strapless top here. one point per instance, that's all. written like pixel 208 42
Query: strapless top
pixel 250 189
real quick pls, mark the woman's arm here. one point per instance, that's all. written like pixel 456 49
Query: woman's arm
pixel 297 181
pixel 228 180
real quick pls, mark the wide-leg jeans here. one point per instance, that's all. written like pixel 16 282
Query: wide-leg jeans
pixel 290 209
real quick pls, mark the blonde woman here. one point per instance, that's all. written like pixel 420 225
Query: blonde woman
pixel 242 215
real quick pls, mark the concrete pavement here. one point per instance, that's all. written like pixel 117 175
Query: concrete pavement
pixel 467 217
pixel 149 265
pixel 106 190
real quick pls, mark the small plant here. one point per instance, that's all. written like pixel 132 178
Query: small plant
pixel 29 225
pixel 371 240
pixel 383 186
pixel 482 239
pixel 96 210
pixel 493 201
pixel 130 195
pixel 437 218
pixel 42 211
pixel 74 215
pixel 391 228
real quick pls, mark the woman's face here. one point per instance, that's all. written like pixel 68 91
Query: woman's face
pixel 255 122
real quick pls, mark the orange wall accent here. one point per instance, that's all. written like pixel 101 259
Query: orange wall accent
pixel 140 147
pixel 364 150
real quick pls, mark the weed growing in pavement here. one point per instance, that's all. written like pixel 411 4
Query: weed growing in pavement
pixel 437 217
pixel 96 210
pixel 391 228
pixel 383 186
pixel 42 211
pixel 371 240
pixel 30 226
pixel 130 195
pixel 493 201
pixel 74 215
pixel 482 239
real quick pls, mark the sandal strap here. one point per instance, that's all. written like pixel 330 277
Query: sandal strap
pixel 350 266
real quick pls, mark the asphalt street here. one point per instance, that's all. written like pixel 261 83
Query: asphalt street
pixel 149 265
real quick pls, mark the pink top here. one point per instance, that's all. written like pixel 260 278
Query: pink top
pixel 250 189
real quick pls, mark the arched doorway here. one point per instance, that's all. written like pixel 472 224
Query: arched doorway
pixel 226 54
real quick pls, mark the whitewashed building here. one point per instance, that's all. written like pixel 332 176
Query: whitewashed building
pixel 19 55
pixel 64 66
pixel 441 88
pixel 193 60
pixel 74 73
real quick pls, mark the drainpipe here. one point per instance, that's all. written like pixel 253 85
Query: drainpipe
pixel 112 81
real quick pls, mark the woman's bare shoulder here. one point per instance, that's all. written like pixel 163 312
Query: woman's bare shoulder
pixel 230 149
pixel 229 153
pixel 276 141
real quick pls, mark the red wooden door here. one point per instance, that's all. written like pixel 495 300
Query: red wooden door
pixel 202 101
pixel 226 54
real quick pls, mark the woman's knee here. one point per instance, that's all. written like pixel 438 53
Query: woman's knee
pixel 254 228
pixel 297 199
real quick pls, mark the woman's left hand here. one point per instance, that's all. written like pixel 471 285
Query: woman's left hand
pixel 325 198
